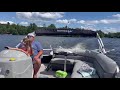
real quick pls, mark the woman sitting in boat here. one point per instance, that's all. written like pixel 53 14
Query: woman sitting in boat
pixel 26 47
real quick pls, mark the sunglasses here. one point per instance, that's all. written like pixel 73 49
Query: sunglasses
pixel 29 36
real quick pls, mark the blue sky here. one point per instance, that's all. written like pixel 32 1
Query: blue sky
pixel 106 21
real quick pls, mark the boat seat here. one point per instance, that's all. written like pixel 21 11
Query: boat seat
pixel 79 64
pixel 72 66
pixel 70 57
pixel 58 64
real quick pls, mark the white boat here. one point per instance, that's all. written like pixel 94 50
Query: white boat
pixel 83 64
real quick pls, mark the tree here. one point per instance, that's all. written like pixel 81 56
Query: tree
pixel 8 24
pixel 14 32
pixel 17 29
pixel 52 26
pixel 66 27
pixel 44 25
pixel 34 26
pixel 101 33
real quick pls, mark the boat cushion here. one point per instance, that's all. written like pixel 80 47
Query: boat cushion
pixel 58 64
pixel 78 70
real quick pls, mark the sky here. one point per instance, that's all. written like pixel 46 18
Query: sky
pixel 105 21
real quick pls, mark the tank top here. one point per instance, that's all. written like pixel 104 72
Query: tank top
pixel 30 51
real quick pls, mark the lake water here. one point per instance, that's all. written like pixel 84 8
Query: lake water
pixel 74 43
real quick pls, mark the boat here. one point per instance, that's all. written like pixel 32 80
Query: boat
pixel 60 64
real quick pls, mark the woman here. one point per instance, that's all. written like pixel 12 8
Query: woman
pixel 26 47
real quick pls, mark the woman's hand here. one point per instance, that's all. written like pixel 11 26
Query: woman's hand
pixel 25 52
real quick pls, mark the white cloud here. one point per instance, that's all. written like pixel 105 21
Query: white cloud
pixel 38 16
pixel 81 21
pixel 109 21
pixel 24 23
pixel 103 21
pixel 88 22
pixel 116 15
pixel 56 17
pixel 110 29
pixel 72 21
pixel 40 25
pixel 65 21
pixel 89 27
pixel 82 27
pixel 5 22
pixel 94 22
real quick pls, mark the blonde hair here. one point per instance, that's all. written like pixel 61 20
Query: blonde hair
pixel 28 45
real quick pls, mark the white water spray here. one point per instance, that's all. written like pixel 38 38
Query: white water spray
pixel 77 48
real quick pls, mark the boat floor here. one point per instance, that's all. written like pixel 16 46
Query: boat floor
pixel 42 73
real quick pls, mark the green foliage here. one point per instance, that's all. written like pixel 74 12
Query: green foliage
pixel 100 33
pixel 52 26
pixel 109 35
pixel 17 29
pixel 23 30
pixel 113 35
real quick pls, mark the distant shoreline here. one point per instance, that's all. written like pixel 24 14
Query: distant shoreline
pixel 62 36
pixel 55 35
pixel 52 30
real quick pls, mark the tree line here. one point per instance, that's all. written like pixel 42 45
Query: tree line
pixel 108 35
pixel 16 29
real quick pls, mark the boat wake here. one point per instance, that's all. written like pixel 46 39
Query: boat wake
pixel 77 48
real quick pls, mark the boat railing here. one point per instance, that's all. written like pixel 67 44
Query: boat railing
pixel 101 45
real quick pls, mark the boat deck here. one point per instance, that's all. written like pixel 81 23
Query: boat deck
pixel 47 74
